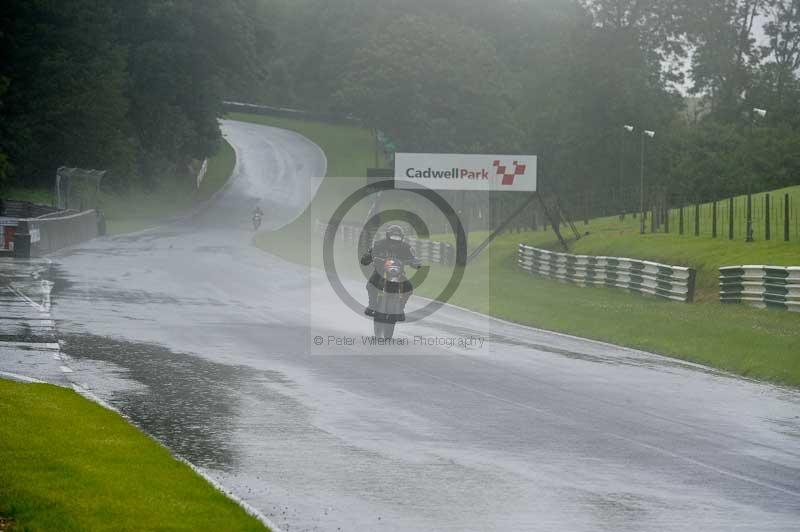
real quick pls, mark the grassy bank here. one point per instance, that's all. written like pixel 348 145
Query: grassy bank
pixel 742 340
pixel 609 236
pixel 139 210
pixel 68 464
pixel 739 339
pixel 350 150
pixel 41 196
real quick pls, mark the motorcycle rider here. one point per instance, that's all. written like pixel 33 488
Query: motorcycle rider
pixel 258 214
pixel 393 245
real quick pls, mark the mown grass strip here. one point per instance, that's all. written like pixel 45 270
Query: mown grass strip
pixel 68 464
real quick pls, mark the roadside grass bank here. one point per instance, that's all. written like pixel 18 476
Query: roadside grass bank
pixel 735 338
pixel 611 237
pixel 350 150
pixel 738 339
pixel 41 196
pixel 71 465
pixel 138 210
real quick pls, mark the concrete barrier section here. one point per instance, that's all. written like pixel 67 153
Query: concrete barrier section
pixel 643 277
pixel 761 286
pixel 39 236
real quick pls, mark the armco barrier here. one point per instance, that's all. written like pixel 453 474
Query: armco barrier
pixel 39 236
pixel 285 112
pixel 671 282
pixel 428 251
pixel 761 286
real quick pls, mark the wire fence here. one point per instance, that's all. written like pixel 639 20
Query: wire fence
pixel 771 216
pixel 763 217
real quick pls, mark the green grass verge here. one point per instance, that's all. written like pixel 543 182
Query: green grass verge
pixel 734 338
pixel 350 150
pixel 137 210
pixel 41 196
pixel 739 339
pixel 611 237
pixel 68 464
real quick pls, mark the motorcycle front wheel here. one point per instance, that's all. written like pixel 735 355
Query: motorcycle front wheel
pixel 384 330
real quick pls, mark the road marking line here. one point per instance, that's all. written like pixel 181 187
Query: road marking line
pixel 65 369
pixel 21 378
pixel 29 301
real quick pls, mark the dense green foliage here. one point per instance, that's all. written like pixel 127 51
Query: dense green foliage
pixel 559 79
pixel 131 86
pixel 135 86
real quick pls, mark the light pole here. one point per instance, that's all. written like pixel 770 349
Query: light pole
pixel 629 129
pixel 749 238
pixel 651 134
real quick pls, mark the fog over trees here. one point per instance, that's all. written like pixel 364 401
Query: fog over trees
pixel 135 86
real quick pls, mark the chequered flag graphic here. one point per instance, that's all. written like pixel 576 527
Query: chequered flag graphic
pixel 508 178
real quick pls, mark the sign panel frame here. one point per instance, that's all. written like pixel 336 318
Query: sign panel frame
pixel 467 172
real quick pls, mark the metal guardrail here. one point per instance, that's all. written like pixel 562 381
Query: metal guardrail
pixel 643 277
pixel 426 250
pixel 761 286
pixel 286 112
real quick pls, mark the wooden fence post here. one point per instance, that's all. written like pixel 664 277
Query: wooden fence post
pixel 714 219
pixel 653 219
pixel 767 227
pixel 730 219
pixel 696 219
pixel 786 217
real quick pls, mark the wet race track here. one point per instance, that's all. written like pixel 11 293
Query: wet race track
pixel 203 341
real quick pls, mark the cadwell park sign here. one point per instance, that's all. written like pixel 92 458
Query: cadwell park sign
pixel 500 173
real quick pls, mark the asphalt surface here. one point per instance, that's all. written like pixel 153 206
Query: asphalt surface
pixel 208 344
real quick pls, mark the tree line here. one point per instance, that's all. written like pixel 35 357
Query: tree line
pixel 134 86
pixel 131 86
pixel 560 78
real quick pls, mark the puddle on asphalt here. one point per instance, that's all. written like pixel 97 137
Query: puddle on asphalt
pixel 646 360
pixel 620 511
pixel 500 339
pixel 187 403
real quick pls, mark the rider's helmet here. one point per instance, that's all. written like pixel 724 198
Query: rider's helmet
pixel 395 232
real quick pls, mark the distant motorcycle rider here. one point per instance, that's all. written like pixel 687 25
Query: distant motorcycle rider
pixel 258 214
pixel 394 245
